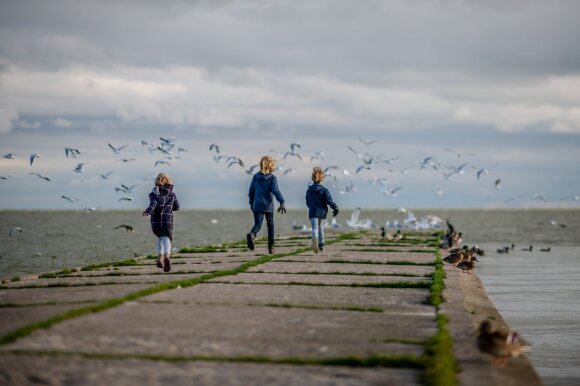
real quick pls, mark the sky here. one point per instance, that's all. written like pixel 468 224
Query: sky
pixel 428 93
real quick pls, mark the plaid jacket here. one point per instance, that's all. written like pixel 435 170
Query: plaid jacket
pixel 162 203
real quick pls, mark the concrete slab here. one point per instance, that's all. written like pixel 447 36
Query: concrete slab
pixel 392 299
pixel 67 294
pixel 12 318
pixel 380 257
pixel 346 268
pixel 101 280
pixel 57 371
pixel 153 270
pixel 345 280
pixel 232 331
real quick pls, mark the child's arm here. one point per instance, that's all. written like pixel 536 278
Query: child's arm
pixel 276 191
pixel 251 193
pixel 329 200
pixel 152 205
pixel 175 203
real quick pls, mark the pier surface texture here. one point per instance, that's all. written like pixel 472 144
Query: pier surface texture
pixel 364 311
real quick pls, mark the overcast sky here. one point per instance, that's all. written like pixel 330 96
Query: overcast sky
pixel 496 81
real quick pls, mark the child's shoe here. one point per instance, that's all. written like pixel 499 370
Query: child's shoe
pixel 250 240
pixel 315 245
pixel 271 249
pixel 159 265
pixel 321 247
pixel 166 265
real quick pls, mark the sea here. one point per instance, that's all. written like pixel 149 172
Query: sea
pixel 535 290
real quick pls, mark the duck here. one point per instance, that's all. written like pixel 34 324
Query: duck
pixel 455 258
pixel 468 263
pixel 503 250
pixel 501 345
pixel 546 249
pixel 398 235
pixel 478 250
pixel 128 228
pixel 528 249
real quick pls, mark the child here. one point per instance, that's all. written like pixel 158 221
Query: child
pixel 162 203
pixel 263 189
pixel 318 199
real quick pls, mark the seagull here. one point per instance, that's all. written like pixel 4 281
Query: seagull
pixel 33 157
pixel 72 152
pixel 367 143
pixel 482 171
pixel 334 167
pixel 295 145
pixel 126 160
pixel 40 176
pixel 5 177
pixel 128 228
pixel 117 150
pixel 125 199
pixel 390 192
pixel 251 170
pixel 215 147
pixel 69 199
pixel 555 223
pixel 347 189
pixel 291 170
pixel 182 150
pixel 160 162
pixel 539 197
pixel 429 162
pixel 168 140
pixel 294 154
pixel 106 175
pixel 13 231
pixel 164 151
pixel 126 189
pixel 235 160
pixel 497 183
pixel 439 192
pixel 574 198
pixel 80 167
pixel 145 143
pixel 9 156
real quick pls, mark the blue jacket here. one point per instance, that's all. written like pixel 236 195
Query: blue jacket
pixel 318 199
pixel 262 191
pixel 162 204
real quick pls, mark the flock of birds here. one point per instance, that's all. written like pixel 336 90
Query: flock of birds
pixel 501 344
pixel 165 150
pixel 342 178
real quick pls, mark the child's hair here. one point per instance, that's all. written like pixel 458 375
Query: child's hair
pixel 163 179
pixel 267 164
pixel 317 175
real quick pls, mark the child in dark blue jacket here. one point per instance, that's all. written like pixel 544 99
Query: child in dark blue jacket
pixel 162 204
pixel 318 199
pixel 263 189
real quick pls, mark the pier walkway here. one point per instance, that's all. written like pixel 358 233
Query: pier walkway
pixel 363 312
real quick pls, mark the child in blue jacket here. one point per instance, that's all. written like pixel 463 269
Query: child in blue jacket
pixel 162 204
pixel 263 189
pixel 318 199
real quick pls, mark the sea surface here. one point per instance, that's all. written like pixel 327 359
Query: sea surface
pixel 537 292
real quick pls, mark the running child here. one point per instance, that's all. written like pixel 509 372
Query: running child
pixel 318 199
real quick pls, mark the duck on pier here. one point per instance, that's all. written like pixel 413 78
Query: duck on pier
pixel 501 345
pixel 468 263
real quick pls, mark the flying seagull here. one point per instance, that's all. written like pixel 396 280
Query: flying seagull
pixel 40 176
pixel 9 156
pixel 125 199
pixel 13 231
pixel 80 168
pixel 69 199
pixel 33 156
pixel 106 175
pixel 72 152
pixel 128 228
pixel 367 143
pixel 215 147
pixel 117 150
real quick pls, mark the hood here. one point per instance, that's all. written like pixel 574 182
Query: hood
pixel 163 190
pixel 260 177
pixel 315 187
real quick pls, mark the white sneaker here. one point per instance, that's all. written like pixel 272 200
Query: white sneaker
pixel 315 245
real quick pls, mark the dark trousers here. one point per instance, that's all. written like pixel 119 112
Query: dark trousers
pixel 258 218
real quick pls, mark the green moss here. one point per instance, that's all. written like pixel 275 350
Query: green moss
pixel 15 278
pixel 440 365
pixel 122 263
pixel 207 249
pixel 394 262
pixel 52 275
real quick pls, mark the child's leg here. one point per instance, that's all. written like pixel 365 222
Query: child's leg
pixel 270 225
pixel 258 218
pixel 166 246
pixel 160 252
pixel 314 225
pixel 321 223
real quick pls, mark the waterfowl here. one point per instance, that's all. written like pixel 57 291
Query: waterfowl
pixel 503 250
pixel 455 258
pixel 528 249
pixel 128 228
pixel 468 263
pixel 546 249
pixel 500 345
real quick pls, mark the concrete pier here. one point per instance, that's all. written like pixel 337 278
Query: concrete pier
pixel 362 312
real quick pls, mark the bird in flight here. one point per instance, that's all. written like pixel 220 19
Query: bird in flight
pixel 80 168
pixel 40 176
pixel 33 156
pixel 128 228
pixel 117 150
pixel 69 199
